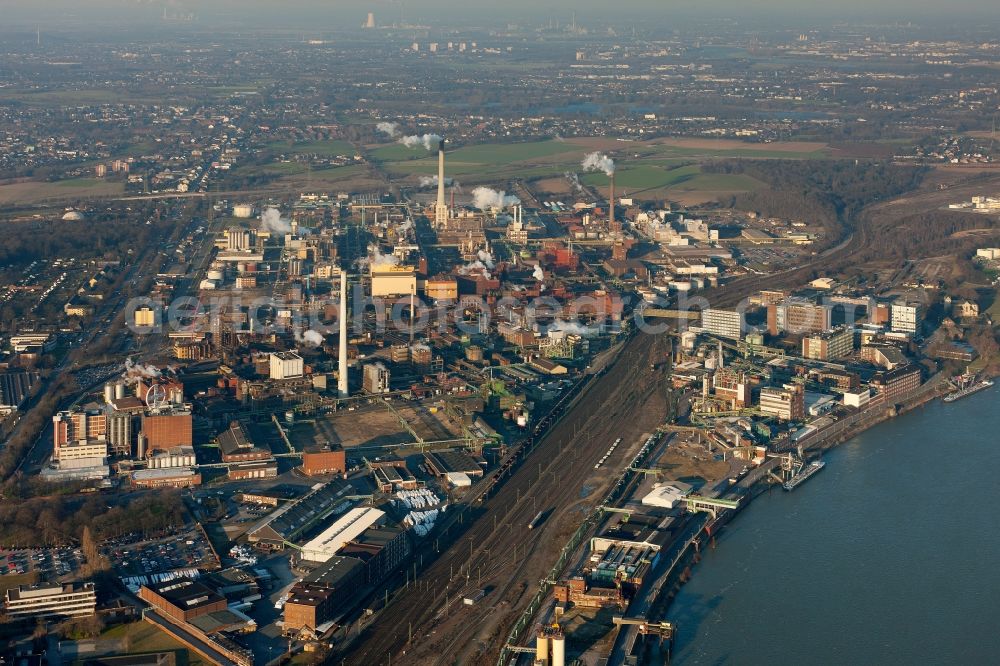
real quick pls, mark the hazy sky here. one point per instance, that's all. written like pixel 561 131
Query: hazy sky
pixel 299 12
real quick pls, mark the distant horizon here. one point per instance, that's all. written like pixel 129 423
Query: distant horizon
pixel 590 13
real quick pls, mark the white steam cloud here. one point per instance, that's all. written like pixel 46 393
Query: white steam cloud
pixel 538 273
pixel 574 180
pixel 485 198
pixel 377 260
pixel 310 337
pixel 139 371
pixel 487 259
pixel 389 129
pixel 428 141
pixel 432 181
pixel 599 162
pixel 574 327
pixel 271 220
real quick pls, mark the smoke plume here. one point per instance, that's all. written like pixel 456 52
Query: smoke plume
pixel 538 273
pixel 139 371
pixel 485 198
pixel 389 129
pixel 487 259
pixel 271 220
pixel 574 327
pixel 599 162
pixel 428 141
pixel 377 260
pixel 574 181
pixel 432 181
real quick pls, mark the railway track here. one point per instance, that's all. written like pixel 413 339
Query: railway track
pixel 494 547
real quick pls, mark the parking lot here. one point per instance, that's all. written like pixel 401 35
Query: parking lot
pixel 48 563
pixel 182 551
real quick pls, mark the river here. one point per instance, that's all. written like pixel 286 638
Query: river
pixel 890 555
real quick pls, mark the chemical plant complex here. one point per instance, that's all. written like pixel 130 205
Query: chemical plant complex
pixel 395 419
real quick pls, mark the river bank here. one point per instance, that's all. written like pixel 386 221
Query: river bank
pixel 785 572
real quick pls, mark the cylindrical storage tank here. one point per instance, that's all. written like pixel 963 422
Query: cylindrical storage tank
pixel 215 274
pixel 243 210
pixel 109 392
pixel 251 267
pixel 141 447
pixel 542 649
pixel 522 420
pixel 241 267
pixel 711 363
pixel 474 353
pixel 558 651
pixel 119 390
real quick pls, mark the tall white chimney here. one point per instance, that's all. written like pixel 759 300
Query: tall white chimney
pixel 611 203
pixel 441 209
pixel 342 388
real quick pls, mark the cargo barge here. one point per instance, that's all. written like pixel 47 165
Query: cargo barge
pixel 803 474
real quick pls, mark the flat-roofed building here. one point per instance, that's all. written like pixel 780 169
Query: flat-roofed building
pixel 907 317
pixel 168 428
pixel 314 602
pixel 286 365
pixel 722 323
pixel 838 343
pixel 182 599
pixel 324 462
pixel 343 531
pixel 50 600
pixel 798 316
pixel 786 403
pixel 169 477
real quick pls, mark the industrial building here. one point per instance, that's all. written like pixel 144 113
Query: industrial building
pixel 182 599
pixel 167 428
pixel 336 536
pixel 286 365
pixel 316 463
pixel 293 519
pixel 786 403
pixel 390 280
pixel 314 602
pixel 170 477
pixel 376 378
pixel 236 446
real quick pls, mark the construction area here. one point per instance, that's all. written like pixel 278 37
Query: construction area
pixel 381 425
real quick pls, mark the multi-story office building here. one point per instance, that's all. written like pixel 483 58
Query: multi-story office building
pixel 834 344
pixel 798 316
pixel 786 403
pixel 906 317
pixel 51 600
pixel 722 323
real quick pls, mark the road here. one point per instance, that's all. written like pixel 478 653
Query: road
pixel 494 549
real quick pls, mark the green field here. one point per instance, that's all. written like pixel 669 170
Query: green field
pixel 481 155
pixel 330 148
pixel 659 181
pixel 80 182
pixel 142 637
